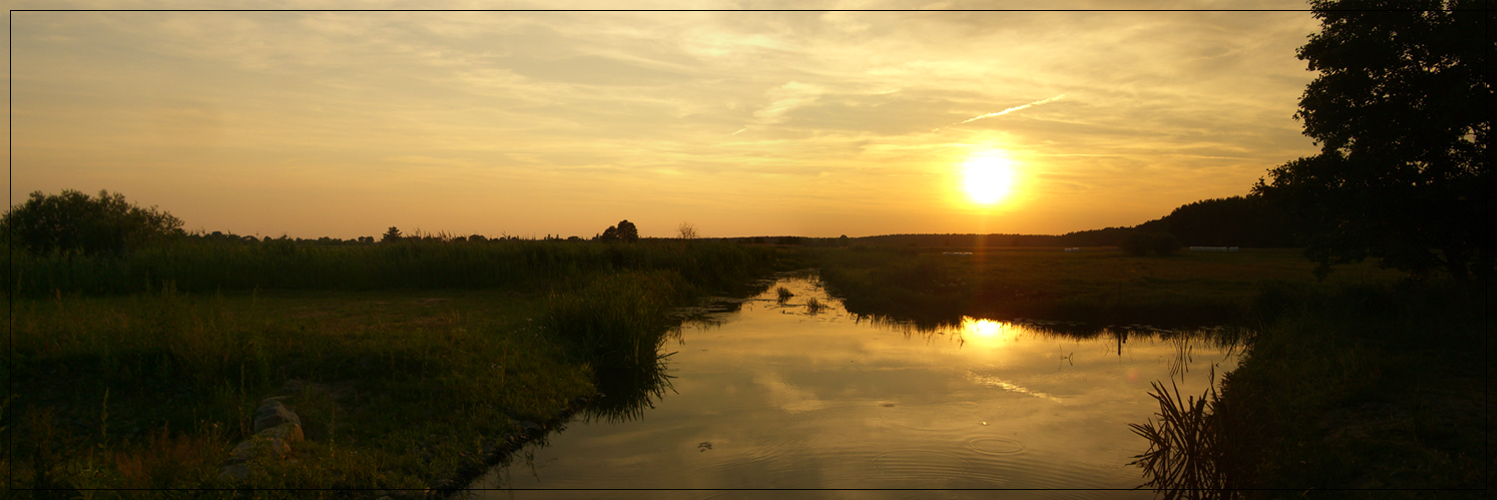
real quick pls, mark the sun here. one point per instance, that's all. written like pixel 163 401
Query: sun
pixel 988 177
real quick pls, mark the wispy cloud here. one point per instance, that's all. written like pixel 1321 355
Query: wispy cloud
pixel 555 111
pixel 1007 111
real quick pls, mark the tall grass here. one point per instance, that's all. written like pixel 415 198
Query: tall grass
pixel 150 391
pixel 129 363
pixel 1360 387
pixel 206 266
pixel 1101 286
pixel 619 319
pixel 1185 446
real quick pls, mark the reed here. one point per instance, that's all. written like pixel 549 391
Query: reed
pixel 205 266
pixel 1097 286
pixel 1185 446
pixel 617 320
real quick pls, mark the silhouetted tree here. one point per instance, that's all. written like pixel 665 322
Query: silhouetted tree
pixel 610 234
pixel 76 222
pixel 627 232
pixel 1136 243
pixel 687 231
pixel 392 235
pixel 1402 111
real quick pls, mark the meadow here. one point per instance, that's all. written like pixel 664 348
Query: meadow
pixel 411 365
pixel 414 365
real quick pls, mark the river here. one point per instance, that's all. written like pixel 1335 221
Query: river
pixel 824 404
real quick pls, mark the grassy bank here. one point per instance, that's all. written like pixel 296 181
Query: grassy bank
pixel 1365 387
pixel 1366 384
pixel 401 386
pixel 1099 286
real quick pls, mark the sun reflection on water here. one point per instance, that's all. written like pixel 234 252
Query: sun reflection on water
pixel 988 333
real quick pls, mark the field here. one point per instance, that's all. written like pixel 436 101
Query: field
pixel 414 365
pixel 407 372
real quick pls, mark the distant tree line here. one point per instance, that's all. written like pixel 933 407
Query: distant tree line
pixel 1241 221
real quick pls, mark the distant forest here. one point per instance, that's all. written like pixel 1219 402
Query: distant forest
pixel 1240 221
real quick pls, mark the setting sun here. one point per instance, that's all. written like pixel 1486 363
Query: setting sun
pixel 988 177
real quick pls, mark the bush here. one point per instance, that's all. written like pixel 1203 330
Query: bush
pixel 75 222
pixel 1136 244
pixel 1165 244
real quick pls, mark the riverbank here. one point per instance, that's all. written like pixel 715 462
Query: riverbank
pixel 1098 286
pixel 1365 383
pixel 1381 388
pixel 397 389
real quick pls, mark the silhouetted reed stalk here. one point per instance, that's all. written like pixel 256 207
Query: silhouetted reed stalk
pixel 1185 449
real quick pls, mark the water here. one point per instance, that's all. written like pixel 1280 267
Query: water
pixel 775 396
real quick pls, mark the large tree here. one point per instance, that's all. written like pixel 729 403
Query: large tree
pixel 73 222
pixel 1402 111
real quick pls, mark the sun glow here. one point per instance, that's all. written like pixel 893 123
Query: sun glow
pixel 986 332
pixel 988 177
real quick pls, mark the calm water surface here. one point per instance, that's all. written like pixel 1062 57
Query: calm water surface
pixel 776 396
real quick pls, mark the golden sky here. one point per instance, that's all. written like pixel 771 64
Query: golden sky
pixel 743 123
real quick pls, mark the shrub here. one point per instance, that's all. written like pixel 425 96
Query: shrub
pixel 1136 243
pixel 75 222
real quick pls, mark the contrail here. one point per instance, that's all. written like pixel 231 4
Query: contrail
pixel 1006 111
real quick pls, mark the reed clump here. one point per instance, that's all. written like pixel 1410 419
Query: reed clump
pixel 618 319
pixel 1185 446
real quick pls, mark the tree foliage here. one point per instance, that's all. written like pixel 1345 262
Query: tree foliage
pixel 625 232
pixel 73 222
pixel 1402 113
pixel 1241 221
pixel 392 235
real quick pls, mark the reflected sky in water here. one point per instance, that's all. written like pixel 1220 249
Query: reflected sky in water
pixel 776 396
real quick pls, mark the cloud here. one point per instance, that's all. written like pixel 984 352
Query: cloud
pixel 787 97
pixel 1007 111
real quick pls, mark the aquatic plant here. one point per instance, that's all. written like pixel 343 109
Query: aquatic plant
pixel 1184 448
pixel 618 320
pixel 814 306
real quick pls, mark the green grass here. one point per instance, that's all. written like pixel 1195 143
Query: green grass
pixel 1369 391
pixel 1101 286
pixel 408 364
pixel 1372 386
pixel 206 266
pixel 393 388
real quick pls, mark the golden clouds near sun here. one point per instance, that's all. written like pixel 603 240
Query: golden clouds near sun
pixel 988 177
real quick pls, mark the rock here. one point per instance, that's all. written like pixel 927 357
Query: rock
pixel 256 447
pixel 236 472
pixel 273 413
pixel 289 432
pixel 275 427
